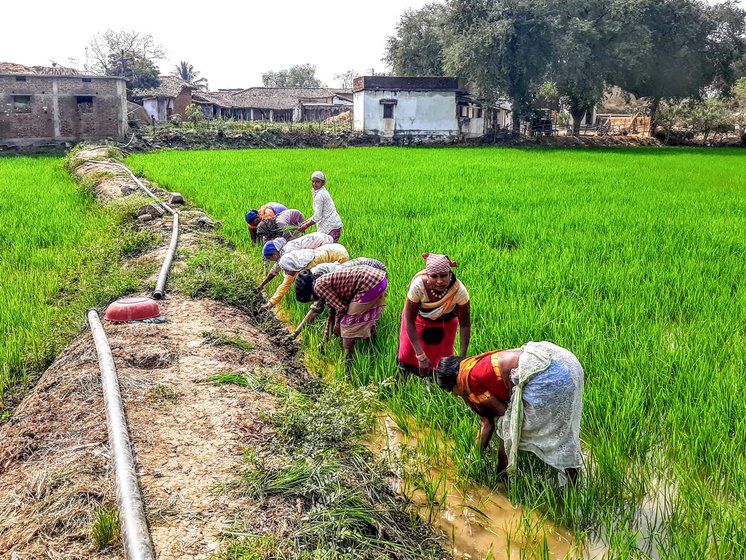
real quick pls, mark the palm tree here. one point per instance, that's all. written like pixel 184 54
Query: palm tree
pixel 186 72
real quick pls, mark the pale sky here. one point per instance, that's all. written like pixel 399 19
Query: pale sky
pixel 230 44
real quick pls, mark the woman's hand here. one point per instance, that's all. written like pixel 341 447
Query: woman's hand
pixel 266 305
pixel 426 367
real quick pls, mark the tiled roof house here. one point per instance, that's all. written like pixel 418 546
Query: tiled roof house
pixel 275 104
pixel 171 97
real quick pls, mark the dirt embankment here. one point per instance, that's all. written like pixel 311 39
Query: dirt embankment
pixel 190 421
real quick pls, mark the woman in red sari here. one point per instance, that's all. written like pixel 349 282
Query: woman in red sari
pixel 437 304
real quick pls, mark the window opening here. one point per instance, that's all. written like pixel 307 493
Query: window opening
pixel 388 111
pixel 85 103
pixel 22 103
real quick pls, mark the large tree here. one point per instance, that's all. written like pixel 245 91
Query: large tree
pixel 502 47
pixel 186 72
pixel 417 47
pixel 687 47
pixel 591 39
pixel 298 76
pixel 125 53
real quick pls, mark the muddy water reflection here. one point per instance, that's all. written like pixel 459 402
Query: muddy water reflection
pixel 478 522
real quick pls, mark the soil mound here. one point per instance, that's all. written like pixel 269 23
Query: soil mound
pixel 189 434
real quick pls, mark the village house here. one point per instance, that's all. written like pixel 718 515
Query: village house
pixel 274 104
pixel 171 97
pixel 41 104
pixel 415 106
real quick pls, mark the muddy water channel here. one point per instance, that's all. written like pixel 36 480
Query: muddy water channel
pixel 477 522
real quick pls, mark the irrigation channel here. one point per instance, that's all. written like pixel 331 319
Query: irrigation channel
pixel 478 522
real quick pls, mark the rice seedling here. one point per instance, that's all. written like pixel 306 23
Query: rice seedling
pixel 60 256
pixel 344 508
pixel 633 259
pixel 163 392
pixel 229 378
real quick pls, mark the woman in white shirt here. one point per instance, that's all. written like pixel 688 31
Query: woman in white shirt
pixel 325 214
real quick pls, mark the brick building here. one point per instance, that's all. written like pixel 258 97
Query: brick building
pixel 42 104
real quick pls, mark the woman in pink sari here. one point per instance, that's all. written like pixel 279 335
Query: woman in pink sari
pixel 437 304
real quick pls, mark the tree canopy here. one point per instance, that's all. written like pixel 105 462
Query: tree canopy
pixel 417 47
pixel 657 49
pixel 186 72
pixel 125 53
pixel 300 75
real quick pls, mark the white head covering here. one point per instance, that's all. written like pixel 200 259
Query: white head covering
pixel 295 261
pixel 280 242
pixel 324 268
pixel 319 175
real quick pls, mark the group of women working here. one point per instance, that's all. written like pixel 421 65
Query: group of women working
pixel 532 395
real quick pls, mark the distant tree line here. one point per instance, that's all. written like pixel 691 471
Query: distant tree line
pixel 666 51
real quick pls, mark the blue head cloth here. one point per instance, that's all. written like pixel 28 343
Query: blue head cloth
pixel 251 215
pixel 270 248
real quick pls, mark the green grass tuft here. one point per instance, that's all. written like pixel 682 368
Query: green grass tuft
pixel 105 529
pixel 220 338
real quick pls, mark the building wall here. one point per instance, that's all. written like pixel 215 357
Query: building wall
pixel 358 113
pixel 160 108
pixel 318 113
pixel 59 109
pixel 151 107
pixel 472 127
pixel 182 101
pixel 415 113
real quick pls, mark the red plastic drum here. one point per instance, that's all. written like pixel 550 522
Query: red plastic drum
pixel 132 309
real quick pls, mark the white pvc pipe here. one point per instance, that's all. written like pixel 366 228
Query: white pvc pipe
pixel 160 287
pixel 134 527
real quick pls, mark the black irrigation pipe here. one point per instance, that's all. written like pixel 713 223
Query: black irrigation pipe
pixel 160 287
pixel 134 526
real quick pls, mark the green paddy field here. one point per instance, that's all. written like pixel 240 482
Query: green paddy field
pixel 634 259
pixel 58 255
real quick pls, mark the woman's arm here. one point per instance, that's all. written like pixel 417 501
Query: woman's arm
pixel 410 316
pixel 496 409
pixel 485 432
pixel 281 290
pixel 318 212
pixel 310 317
pixel 328 328
pixel 464 321
pixel 268 279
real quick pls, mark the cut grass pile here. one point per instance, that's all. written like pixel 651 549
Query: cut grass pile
pixel 60 255
pixel 632 259
pixel 344 506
